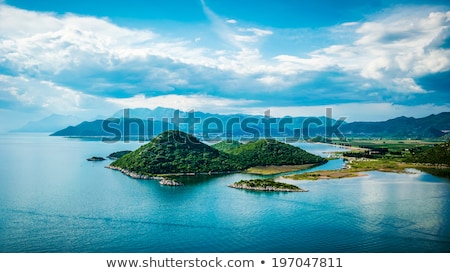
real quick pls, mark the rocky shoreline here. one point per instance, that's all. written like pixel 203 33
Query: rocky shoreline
pixel 162 180
pixel 268 188
pixel 266 184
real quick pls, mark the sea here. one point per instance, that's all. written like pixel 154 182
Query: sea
pixel 52 200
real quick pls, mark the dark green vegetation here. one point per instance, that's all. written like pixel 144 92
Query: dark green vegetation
pixel 95 158
pixel 117 155
pixel 277 169
pixel 266 152
pixel 395 155
pixel 438 154
pixel 176 152
pixel 437 159
pixel 227 146
pixel 267 184
pixel 411 151
pixel 388 155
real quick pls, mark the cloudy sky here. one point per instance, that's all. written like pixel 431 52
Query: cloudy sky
pixel 369 60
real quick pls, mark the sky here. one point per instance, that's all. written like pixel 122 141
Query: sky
pixel 367 60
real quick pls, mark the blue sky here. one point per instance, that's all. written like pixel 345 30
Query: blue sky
pixel 369 60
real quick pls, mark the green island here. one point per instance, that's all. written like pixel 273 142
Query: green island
pixel 267 184
pixel 96 158
pixel 175 153
pixel 388 156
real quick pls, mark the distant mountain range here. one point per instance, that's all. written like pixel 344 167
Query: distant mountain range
pixel 432 126
pixel 147 123
pixel 48 124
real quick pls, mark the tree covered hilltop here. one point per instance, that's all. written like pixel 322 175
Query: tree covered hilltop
pixel 265 152
pixel 178 153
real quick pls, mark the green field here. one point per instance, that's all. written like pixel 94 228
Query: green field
pixel 324 175
pixel 390 156
pixel 268 170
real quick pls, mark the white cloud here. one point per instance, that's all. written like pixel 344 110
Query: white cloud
pixel 69 62
pixel 349 24
pixel 256 31
pixel 292 64
pixel 48 96
pixel 203 103
pixel 255 35
pixel 398 46
pixel 391 51
pixel 407 85
pixel 402 44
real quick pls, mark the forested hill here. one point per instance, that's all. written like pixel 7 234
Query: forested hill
pixel 266 152
pixel 176 152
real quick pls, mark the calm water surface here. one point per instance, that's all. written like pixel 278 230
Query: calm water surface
pixel 53 200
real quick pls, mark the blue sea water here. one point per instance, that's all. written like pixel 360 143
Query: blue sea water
pixel 53 200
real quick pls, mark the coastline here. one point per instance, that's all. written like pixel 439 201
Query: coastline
pixel 162 180
pixel 360 167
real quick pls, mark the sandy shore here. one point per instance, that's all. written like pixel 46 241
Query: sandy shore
pixel 337 174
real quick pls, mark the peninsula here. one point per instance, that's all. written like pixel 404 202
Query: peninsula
pixel 175 153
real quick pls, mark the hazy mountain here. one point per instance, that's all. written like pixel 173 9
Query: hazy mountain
pixel 113 128
pixel 49 124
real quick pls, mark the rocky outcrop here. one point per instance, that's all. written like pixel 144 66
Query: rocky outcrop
pixel 267 188
pixel 267 184
pixel 169 182
pixel 162 180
